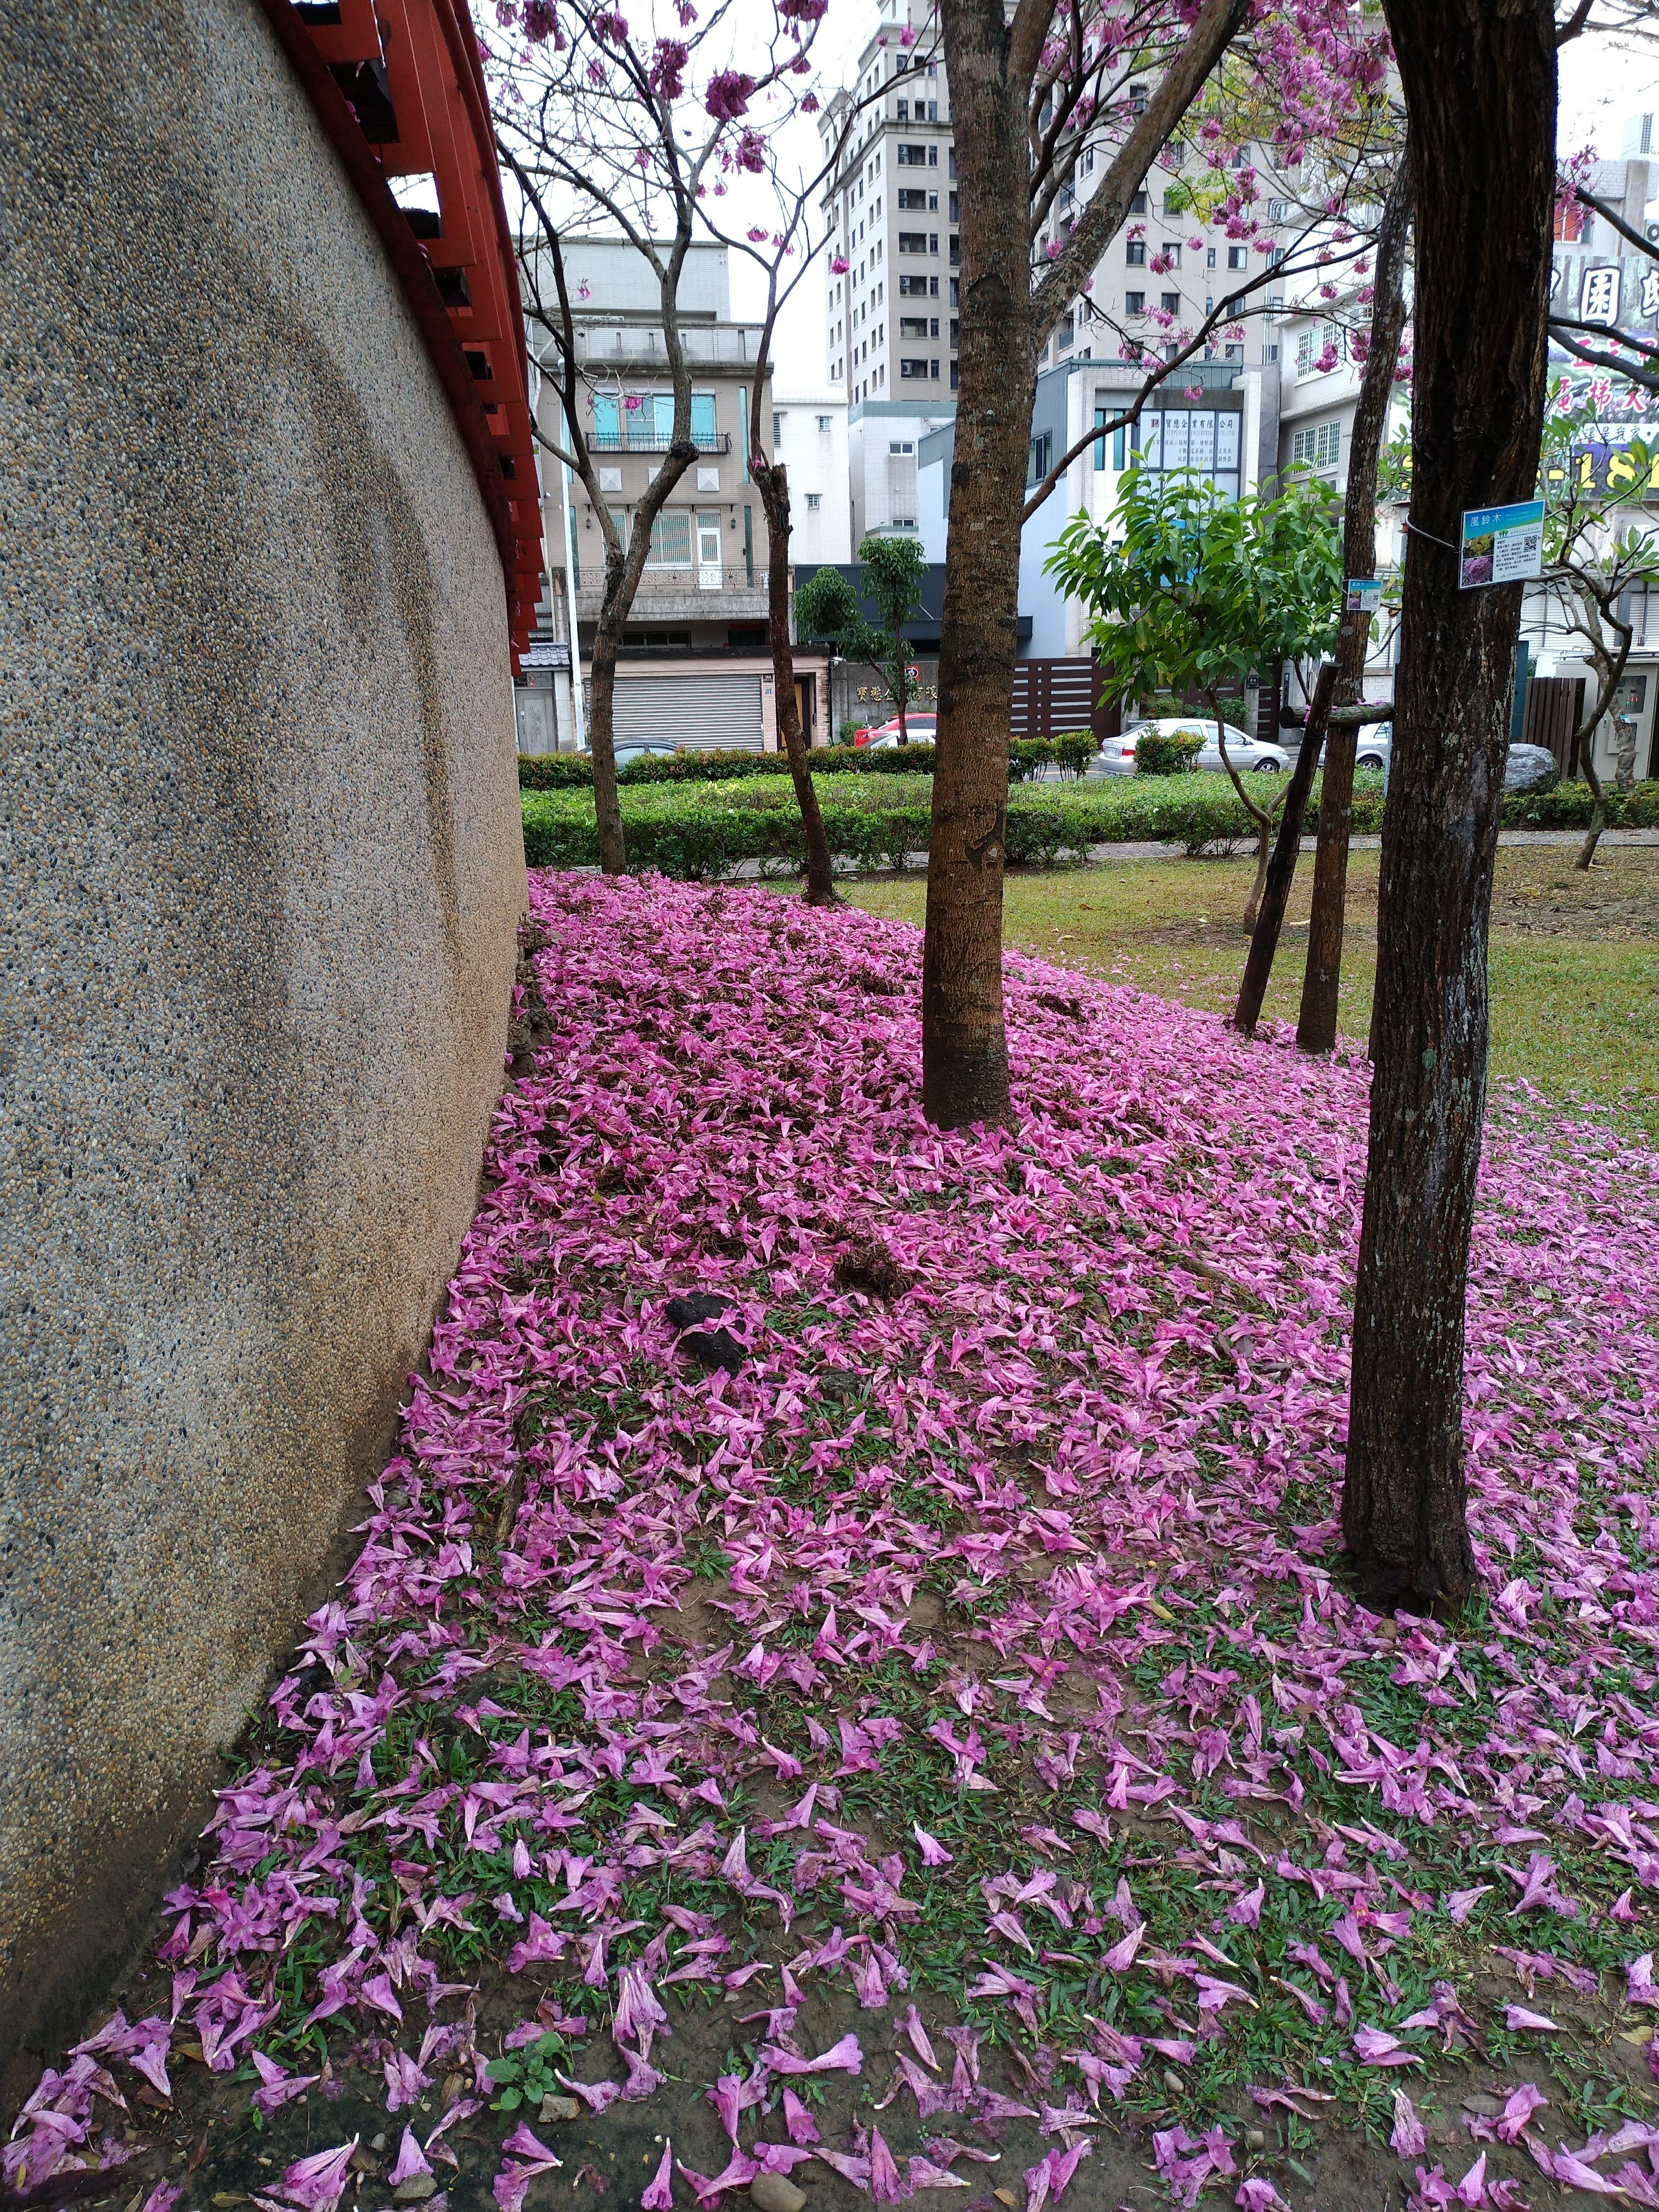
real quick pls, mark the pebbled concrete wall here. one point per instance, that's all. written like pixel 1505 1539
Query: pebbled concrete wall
pixel 260 871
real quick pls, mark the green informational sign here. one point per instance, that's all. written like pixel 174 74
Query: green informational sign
pixel 1502 545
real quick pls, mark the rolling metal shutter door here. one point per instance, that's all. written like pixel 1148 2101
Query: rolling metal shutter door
pixel 704 712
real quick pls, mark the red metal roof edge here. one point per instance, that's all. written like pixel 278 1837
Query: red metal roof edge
pixel 518 542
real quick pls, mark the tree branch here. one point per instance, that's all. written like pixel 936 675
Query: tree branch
pixel 1218 23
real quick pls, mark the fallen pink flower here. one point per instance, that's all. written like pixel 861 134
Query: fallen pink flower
pixel 1409 2138
pixel 318 2183
pixel 845 2057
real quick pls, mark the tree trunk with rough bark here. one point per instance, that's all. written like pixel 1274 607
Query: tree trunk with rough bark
pixel 1276 891
pixel 964 1053
pixel 1315 1029
pixel 994 57
pixel 1479 78
pixel 772 480
pixel 601 717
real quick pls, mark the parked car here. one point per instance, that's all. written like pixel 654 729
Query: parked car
pixel 919 728
pixel 1526 767
pixel 1118 754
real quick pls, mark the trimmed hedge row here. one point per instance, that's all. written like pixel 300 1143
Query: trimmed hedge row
pixel 698 834
pixel 575 771
pixel 1569 806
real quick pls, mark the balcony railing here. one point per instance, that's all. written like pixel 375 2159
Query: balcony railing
pixel 645 438
pixel 708 592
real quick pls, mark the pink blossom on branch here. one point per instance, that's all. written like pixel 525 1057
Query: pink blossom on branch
pixel 728 94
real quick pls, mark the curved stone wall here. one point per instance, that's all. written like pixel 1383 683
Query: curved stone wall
pixel 262 870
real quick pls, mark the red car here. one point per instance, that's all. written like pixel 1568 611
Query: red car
pixel 919 728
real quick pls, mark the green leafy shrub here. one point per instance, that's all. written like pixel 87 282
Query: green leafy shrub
pixel 1166 752
pixel 1027 757
pixel 555 772
pixel 1074 750
pixel 700 832
pixel 1569 806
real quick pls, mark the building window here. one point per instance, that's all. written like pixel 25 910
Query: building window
pixel 913 287
pixel 1101 418
pixel 912 201
pixel 1135 303
pixel 911 370
pixel 955 375
pixel 904 111
pixel 777 430
pixel 1318 446
pixel 1172 254
pixel 956 251
pixel 913 326
pixel 1138 202
pixel 900 444
pixel 825 422
pixel 1237 257
pixel 912 157
pixel 670 539
pixel 913 241
pixel 1134 253
pixel 1137 100
pixel 1170 301
pixel 933 370
pixel 955 217
pixel 1040 457
pixel 814 502
pixel 1066 332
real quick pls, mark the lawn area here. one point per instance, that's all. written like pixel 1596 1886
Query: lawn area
pixel 1575 959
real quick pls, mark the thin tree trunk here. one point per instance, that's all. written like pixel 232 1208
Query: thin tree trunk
pixel 1262 818
pixel 601 722
pixel 1479 86
pixel 1270 917
pixel 1598 821
pixel 772 479
pixel 1315 1029
pixel 965 1048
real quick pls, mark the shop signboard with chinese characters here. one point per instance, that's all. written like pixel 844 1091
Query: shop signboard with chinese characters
pixel 1502 545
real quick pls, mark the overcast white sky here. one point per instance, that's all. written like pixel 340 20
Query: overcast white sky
pixel 1601 87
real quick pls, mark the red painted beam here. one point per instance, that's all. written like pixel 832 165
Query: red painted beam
pixel 436 81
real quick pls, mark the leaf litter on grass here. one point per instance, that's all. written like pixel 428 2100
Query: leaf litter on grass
pixel 962 1700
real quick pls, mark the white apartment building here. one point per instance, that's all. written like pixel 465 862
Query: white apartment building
pixel 809 437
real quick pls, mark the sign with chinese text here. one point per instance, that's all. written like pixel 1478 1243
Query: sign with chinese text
pixel 1363 595
pixel 1502 545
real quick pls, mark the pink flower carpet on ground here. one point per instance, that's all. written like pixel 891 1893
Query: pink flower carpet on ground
pixel 969 1637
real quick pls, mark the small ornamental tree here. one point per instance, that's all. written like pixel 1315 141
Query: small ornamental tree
pixel 1591 567
pixel 1190 592
pixel 826 606
pixel 893 569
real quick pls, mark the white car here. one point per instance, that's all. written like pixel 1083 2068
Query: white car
pixel 1244 752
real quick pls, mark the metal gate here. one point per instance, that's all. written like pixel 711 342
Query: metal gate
pixel 1554 706
pixel 707 713
pixel 1053 696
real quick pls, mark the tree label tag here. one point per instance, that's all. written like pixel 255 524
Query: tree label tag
pixel 1363 595
pixel 1502 545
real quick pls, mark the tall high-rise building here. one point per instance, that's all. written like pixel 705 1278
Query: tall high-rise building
pixel 892 270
